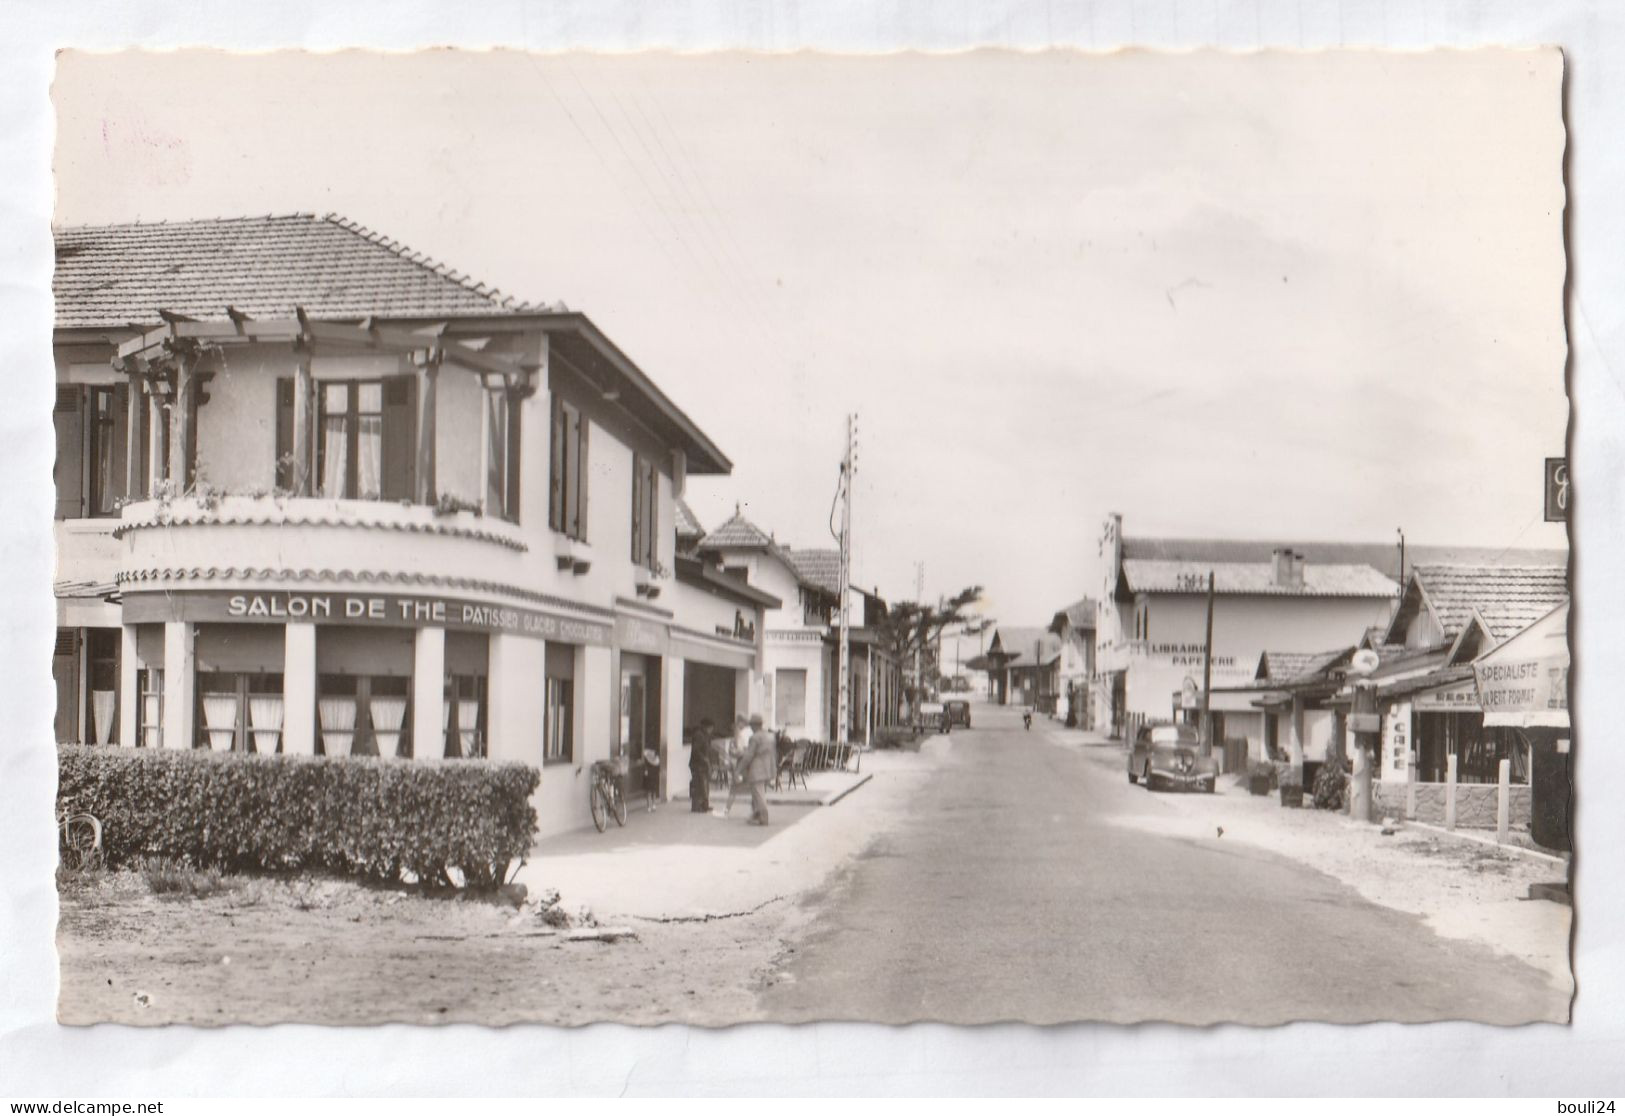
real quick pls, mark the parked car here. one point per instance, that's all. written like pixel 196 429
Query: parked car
pixel 929 717
pixel 1171 756
pixel 955 711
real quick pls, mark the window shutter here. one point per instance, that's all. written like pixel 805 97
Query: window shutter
pixel 556 439
pixel 582 427
pixel 143 469
pixel 400 438
pixel 653 532
pixel 514 425
pixel 69 417
pixel 284 433
pixel 120 465
pixel 637 510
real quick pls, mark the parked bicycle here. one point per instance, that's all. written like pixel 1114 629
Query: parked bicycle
pixel 605 796
pixel 79 838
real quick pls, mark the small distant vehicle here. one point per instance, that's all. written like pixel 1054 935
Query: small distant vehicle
pixel 955 711
pixel 930 717
pixel 1171 756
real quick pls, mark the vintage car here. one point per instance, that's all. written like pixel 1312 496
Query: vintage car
pixel 955 711
pixel 1171 756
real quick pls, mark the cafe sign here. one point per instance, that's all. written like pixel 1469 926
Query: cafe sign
pixel 384 610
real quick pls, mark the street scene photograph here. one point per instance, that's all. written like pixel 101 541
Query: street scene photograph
pixel 720 538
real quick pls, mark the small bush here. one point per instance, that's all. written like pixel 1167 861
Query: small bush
pixel 169 878
pixel 1331 787
pixel 353 816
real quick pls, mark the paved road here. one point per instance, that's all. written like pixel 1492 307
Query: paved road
pixel 1006 894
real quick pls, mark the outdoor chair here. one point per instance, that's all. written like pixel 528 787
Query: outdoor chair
pixel 793 765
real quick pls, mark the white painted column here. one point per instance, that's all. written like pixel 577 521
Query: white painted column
pixel 596 688
pixel 129 688
pixel 180 684
pixel 299 689
pixel 672 739
pixel 517 689
pixel 429 694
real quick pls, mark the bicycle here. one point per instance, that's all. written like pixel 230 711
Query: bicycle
pixel 79 839
pixel 604 795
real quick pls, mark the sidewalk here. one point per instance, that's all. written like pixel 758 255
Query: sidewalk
pixel 1461 886
pixel 676 864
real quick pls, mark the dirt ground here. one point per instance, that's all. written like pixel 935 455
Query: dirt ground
pixel 273 951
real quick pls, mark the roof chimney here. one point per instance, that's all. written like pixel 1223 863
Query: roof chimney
pixel 1287 568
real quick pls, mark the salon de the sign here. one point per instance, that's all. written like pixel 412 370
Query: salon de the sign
pixel 367 609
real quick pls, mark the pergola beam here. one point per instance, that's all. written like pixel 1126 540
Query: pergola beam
pixel 242 329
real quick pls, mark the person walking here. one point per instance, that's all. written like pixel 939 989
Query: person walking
pixel 731 766
pixel 699 769
pixel 758 764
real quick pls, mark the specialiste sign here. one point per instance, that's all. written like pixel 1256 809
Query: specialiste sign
pixel 364 609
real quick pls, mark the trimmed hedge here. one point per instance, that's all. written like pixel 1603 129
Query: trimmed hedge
pixel 354 816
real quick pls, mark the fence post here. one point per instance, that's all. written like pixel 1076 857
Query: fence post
pixel 1410 788
pixel 1450 791
pixel 1503 802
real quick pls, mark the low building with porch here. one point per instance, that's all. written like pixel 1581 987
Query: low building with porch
pixel 801 637
pixel 1432 712
pixel 317 494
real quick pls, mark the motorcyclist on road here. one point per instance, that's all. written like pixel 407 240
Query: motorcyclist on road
pixel 1027 719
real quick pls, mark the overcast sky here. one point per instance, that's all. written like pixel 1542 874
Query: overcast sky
pixel 1289 296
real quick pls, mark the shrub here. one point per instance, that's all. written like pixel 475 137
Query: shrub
pixel 353 816
pixel 166 877
pixel 1331 786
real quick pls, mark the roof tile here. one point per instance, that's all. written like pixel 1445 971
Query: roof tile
pixel 265 267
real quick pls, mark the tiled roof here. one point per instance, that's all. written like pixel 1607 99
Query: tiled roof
pixel 688 524
pixel 84 589
pixel 1278 666
pixel 1148 575
pixel 737 533
pixel 1080 614
pixel 817 567
pixel 1019 642
pixel 1383 556
pixel 331 267
pixel 1509 598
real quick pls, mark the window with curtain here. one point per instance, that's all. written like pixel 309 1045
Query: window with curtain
pixel 558 725
pixel 567 503
pixel 92 429
pixel 350 450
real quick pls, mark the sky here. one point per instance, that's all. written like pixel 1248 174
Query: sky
pixel 1284 296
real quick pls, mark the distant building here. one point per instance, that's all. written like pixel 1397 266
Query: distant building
pixel 1024 667
pixel 1075 627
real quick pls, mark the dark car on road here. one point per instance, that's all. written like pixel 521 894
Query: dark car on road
pixel 1171 756
pixel 955 711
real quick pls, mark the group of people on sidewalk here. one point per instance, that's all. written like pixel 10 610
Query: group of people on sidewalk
pixel 750 757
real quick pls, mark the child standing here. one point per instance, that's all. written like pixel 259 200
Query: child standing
pixel 651 775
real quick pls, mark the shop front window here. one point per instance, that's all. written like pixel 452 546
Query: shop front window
pixel 464 716
pixel 101 691
pixel 558 743
pixel 364 715
pixel 150 717
pixel 239 711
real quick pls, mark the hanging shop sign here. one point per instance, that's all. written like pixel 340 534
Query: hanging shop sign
pixel 1460 698
pixel 383 610
pixel 1558 491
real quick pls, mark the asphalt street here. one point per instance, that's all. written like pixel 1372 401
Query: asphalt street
pixel 1005 893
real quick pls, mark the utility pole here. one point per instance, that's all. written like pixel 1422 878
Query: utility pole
pixel 1207 673
pixel 843 703
pixel 919 677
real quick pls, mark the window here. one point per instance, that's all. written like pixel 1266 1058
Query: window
pixel 558 727
pixel 567 504
pixel 92 453
pixel 366 439
pixel 645 513
pixel 790 710
pixel 464 714
pixel 150 716
pixel 501 456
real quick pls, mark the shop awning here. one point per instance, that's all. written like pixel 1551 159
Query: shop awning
pixel 1524 683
